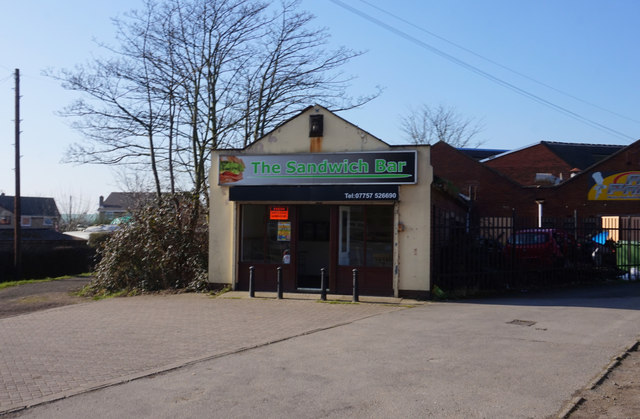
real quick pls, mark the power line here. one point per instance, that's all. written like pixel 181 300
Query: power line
pixel 483 73
pixel 504 67
pixel 8 77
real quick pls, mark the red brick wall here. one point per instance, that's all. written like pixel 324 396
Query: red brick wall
pixel 573 194
pixel 492 194
pixel 522 165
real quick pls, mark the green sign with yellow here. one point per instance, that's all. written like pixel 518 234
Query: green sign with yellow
pixel 392 167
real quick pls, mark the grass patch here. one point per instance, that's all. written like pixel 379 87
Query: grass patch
pixel 88 292
pixel 122 293
pixel 219 292
pixel 34 281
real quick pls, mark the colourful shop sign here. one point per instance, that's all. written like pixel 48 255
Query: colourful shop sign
pixel 624 186
pixel 392 167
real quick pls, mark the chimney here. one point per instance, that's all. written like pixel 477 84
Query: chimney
pixel 101 200
pixel 316 129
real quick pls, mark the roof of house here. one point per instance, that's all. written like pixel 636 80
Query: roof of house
pixel 587 171
pixel 31 205
pixel 306 109
pixel 582 156
pixel 481 153
pixel 578 155
pixel 125 200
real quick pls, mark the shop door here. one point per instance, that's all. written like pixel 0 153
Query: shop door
pixel 313 245
pixel 365 242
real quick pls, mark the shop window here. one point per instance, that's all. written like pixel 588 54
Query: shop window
pixel 366 236
pixel 5 220
pixel 263 240
pixel 277 243
pixel 253 218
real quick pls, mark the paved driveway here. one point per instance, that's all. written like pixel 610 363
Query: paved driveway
pixel 59 352
pixel 517 357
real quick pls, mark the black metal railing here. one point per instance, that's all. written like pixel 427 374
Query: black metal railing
pixel 470 256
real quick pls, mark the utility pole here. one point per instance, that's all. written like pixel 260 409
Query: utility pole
pixel 17 211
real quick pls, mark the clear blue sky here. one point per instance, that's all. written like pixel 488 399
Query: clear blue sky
pixel 587 49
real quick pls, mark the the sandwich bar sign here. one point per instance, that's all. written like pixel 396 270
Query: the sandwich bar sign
pixel 392 167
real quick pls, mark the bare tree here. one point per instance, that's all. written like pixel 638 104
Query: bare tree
pixel 290 68
pixel 123 110
pixel 191 76
pixel 428 125
pixel 209 44
pixel 74 211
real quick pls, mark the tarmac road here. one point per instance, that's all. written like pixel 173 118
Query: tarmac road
pixel 500 358
pixel 30 297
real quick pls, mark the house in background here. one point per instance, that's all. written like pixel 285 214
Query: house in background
pixel 119 204
pixel 548 162
pixel 36 212
pixel 489 192
pixel 548 179
pixel 481 153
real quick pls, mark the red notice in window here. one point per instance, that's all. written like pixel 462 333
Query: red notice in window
pixel 278 213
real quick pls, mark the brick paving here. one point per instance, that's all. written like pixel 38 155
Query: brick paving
pixel 63 351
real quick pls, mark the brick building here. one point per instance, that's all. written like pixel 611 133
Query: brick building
pixel 498 186
pixel 490 193
pixel 610 187
pixel 549 162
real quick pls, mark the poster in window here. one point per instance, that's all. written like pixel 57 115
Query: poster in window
pixel 278 213
pixel 284 231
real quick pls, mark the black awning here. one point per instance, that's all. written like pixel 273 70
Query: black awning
pixel 314 193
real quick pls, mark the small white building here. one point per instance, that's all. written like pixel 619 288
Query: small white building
pixel 319 192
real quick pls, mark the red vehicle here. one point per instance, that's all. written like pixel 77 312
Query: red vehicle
pixel 540 247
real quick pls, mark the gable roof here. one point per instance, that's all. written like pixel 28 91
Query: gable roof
pixel 582 156
pixel 125 200
pixel 481 153
pixel 317 107
pixel 31 205
pixel 578 155
pixel 633 147
pixel 478 165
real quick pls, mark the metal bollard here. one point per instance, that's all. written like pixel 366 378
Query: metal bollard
pixel 252 291
pixel 356 297
pixel 279 282
pixel 323 284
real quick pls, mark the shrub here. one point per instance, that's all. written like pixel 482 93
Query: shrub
pixel 163 247
pixel 97 240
